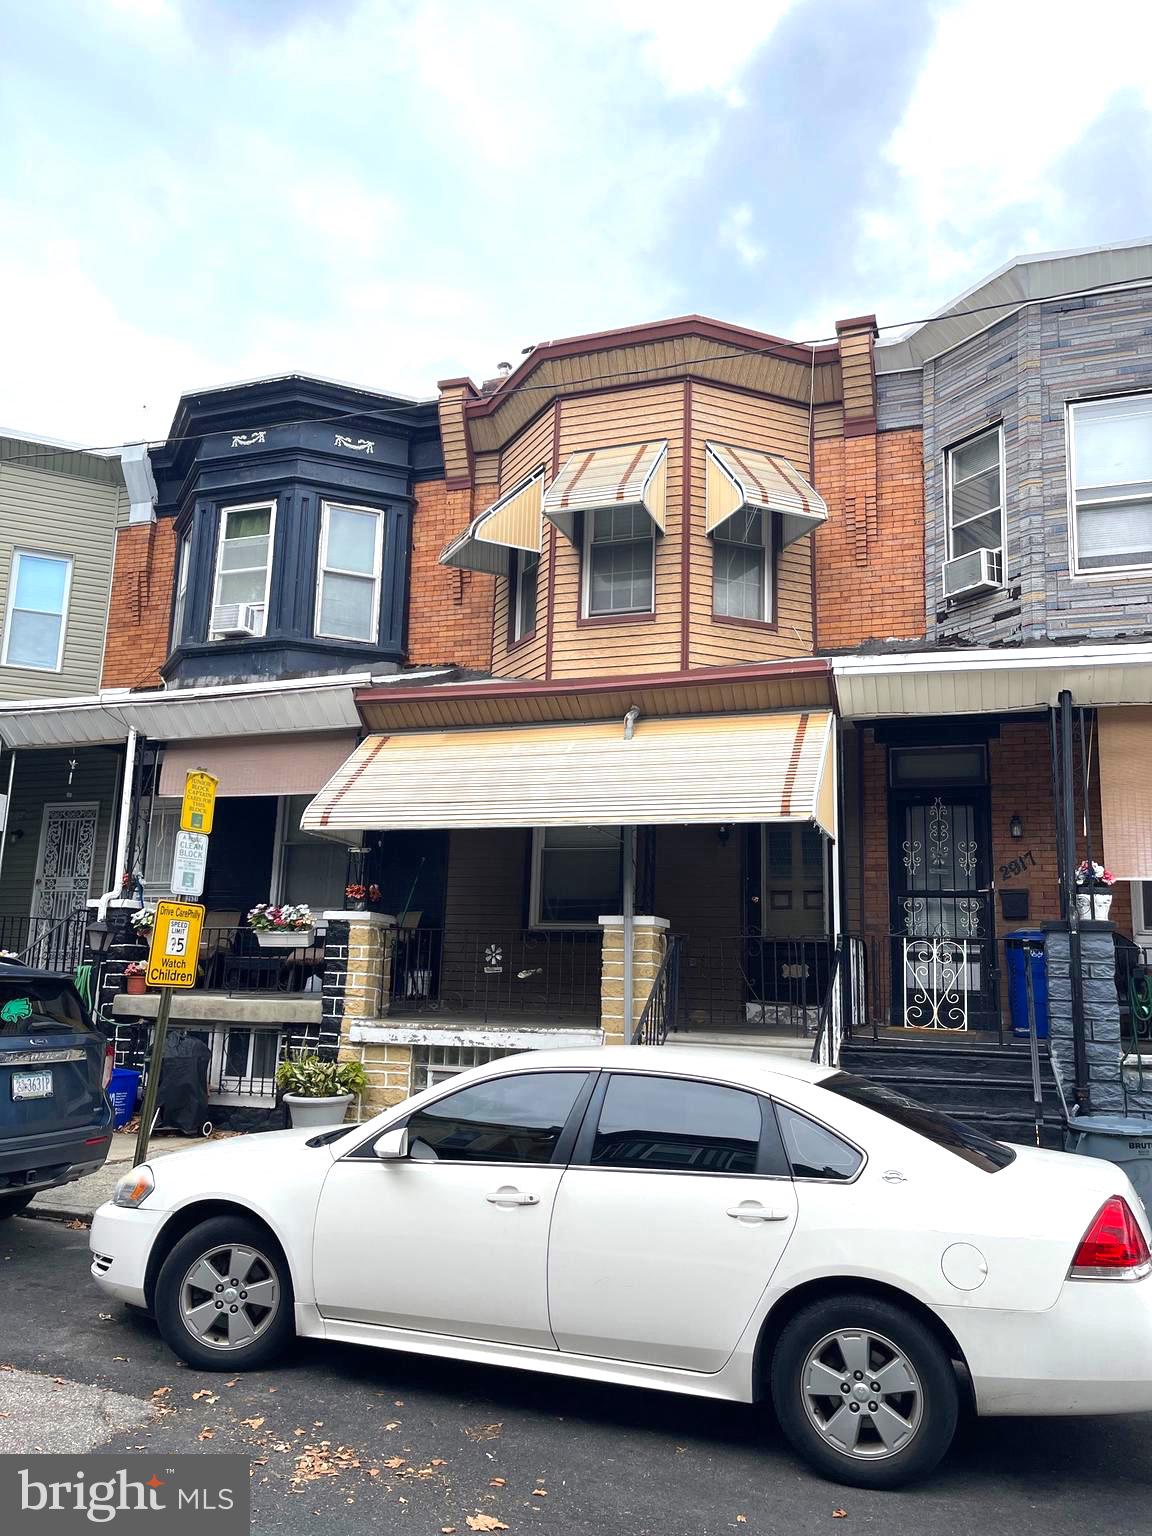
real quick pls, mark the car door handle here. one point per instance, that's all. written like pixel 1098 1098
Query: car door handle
pixel 509 1196
pixel 754 1212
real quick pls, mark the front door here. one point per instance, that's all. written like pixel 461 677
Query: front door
pixel 454 1239
pixel 942 913
pixel 64 862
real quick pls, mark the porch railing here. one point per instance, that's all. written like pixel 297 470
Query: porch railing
pixel 661 1011
pixel 936 984
pixel 48 943
pixel 242 1059
pixel 836 1010
pixel 1134 988
pixel 745 982
pixel 495 972
pixel 231 960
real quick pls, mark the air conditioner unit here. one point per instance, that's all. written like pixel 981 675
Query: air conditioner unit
pixel 980 571
pixel 232 619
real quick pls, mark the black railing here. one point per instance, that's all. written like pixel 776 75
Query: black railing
pixel 233 960
pixel 494 972
pixel 937 984
pixel 730 983
pixel 1134 991
pixel 48 943
pixel 661 1011
pixel 836 1009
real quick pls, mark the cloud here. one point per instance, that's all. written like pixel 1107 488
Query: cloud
pixel 735 235
pixel 689 52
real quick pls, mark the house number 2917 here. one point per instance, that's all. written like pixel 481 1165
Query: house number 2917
pixel 1016 867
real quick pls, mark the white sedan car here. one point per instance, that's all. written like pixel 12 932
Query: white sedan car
pixel 699 1221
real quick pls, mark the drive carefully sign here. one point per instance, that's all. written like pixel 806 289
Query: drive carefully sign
pixel 175 944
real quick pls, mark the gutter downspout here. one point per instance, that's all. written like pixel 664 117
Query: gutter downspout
pixel 127 795
pixel 628 904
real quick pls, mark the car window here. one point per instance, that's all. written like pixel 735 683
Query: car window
pixel 31 1005
pixel 815 1152
pixel 953 1135
pixel 677 1125
pixel 501 1120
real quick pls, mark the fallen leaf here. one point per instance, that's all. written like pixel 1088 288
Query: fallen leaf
pixel 539 1493
pixel 197 1396
pixel 392 1424
pixel 399 1403
pixel 122 1358
pixel 496 1482
pixel 77 1226
pixel 299 1431
pixel 438 1461
pixel 161 1391
pixel 485 1431
pixel 373 1471
pixel 839 1514
pixel 233 1382
pixel 485 1523
pixel 105 1317
pixel 206 1434
pixel 393 1462
pixel 447 1530
pixel 741 1519
pixel 252 1423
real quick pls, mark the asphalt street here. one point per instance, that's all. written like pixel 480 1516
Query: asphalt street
pixel 346 1440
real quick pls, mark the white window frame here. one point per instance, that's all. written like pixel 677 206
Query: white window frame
pixel 180 597
pixel 1094 572
pixel 949 461
pixel 322 569
pixel 517 604
pixel 768 587
pixel 68 562
pixel 221 526
pixel 536 889
pixel 586 564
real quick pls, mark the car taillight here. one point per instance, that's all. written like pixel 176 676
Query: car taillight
pixel 109 1063
pixel 1113 1248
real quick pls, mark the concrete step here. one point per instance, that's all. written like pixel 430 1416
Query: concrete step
pixel 917 1058
pixel 959 1096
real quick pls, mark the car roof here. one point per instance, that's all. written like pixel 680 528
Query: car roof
pixel 16 969
pixel 748 1066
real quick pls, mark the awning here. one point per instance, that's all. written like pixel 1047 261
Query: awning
pixel 268 765
pixel 712 769
pixel 1125 754
pixel 765 482
pixel 513 522
pixel 631 475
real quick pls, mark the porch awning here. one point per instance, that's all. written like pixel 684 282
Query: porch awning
pixel 710 769
pixel 631 475
pixel 269 765
pixel 1126 791
pixel 764 482
pixel 513 522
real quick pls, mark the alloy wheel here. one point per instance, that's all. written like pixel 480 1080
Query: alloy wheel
pixel 861 1393
pixel 229 1296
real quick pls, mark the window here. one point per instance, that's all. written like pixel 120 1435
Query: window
pixel 163 825
pixel 243 567
pixel 677 1126
pixel 504 1120
pixel 741 567
pixel 933 767
pixel 814 1152
pixel 576 876
pixel 37 603
pixel 619 550
pixel 935 1126
pixel 1110 460
pixel 975 497
pixel 178 605
pixel 432 1064
pixel 348 599
pixel 313 870
pixel 525 571
pixel 793 896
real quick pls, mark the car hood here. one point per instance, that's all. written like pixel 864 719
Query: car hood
pixel 235 1157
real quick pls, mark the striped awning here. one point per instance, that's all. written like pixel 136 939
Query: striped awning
pixel 711 769
pixel 746 477
pixel 513 522
pixel 631 475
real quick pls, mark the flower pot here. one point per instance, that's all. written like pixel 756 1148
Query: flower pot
pixel 136 985
pixel 285 938
pixel 317 1112
pixel 1094 906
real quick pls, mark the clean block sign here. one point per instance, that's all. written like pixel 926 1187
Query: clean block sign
pixel 189 860
pixel 180 1495
pixel 175 944
pixel 199 802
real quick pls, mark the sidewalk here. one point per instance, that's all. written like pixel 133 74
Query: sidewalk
pixel 78 1200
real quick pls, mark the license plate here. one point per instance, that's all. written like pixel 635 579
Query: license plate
pixel 31 1085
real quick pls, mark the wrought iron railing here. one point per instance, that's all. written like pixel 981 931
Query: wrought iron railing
pixel 241 1058
pixel 232 960
pixel 497 972
pixel 746 982
pixel 833 1011
pixel 661 1011
pixel 48 943
pixel 1134 990
pixel 934 983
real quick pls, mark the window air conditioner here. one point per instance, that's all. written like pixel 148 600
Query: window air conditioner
pixel 232 619
pixel 980 571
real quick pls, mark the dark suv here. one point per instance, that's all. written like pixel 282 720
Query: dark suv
pixel 55 1116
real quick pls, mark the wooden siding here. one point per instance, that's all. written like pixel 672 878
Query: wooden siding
pixel 487 879
pixel 61 514
pixel 42 778
pixel 529 658
pixel 859 376
pixel 487 470
pixel 454 433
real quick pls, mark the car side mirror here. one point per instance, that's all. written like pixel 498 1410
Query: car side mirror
pixel 392 1147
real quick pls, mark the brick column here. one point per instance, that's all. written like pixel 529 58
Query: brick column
pixel 357 990
pixel 648 946
pixel 1101 1012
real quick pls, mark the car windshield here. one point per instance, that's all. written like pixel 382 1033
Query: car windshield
pixel 31 1005
pixel 953 1135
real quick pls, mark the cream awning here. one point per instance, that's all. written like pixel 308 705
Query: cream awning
pixel 710 769
pixel 1126 791
pixel 631 475
pixel 513 522
pixel 764 482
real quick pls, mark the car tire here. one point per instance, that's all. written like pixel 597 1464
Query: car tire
pixel 852 1345
pixel 224 1296
pixel 12 1205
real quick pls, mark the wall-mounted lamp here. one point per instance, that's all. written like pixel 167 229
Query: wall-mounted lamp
pixel 723 833
pixel 1015 829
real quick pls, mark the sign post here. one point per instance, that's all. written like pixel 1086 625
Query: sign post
pixel 172 959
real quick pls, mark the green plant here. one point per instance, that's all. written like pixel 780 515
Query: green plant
pixel 311 1077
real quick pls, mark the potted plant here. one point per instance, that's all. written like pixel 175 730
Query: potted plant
pixel 283 927
pixel 358 896
pixel 1094 899
pixel 134 978
pixel 143 920
pixel 318 1092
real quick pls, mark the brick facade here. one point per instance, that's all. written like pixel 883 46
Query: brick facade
pixel 140 605
pixel 449 611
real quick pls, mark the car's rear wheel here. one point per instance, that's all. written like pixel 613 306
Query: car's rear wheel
pixel 864 1391
pixel 224 1296
pixel 12 1205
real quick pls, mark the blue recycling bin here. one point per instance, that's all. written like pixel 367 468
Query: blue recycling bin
pixel 1025 947
pixel 123 1090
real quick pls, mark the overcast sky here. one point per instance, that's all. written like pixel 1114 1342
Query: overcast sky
pixel 394 191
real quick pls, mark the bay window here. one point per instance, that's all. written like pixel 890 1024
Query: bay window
pixel 1110 461
pixel 243 569
pixel 348 590
pixel 183 557
pixel 619 555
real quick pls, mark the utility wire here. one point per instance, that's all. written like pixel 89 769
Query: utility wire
pixel 388 412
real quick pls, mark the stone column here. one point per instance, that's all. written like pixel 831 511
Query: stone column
pixel 357 990
pixel 648 945
pixel 1101 1012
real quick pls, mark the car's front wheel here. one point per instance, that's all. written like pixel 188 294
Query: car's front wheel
pixel 864 1391
pixel 224 1296
pixel 12 1205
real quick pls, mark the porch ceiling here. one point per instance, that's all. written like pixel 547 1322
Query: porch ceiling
pixel 715 769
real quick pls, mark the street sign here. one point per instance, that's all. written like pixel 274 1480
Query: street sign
pixel 175 944
pixel 189 860
pixel 199 802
